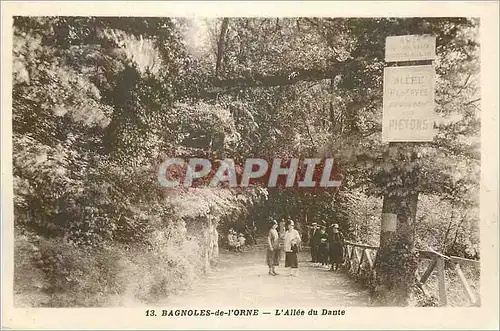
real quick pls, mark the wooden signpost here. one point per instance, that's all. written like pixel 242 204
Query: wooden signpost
pixel 408 110
pixel 408 103
pixel 410 48
pixel 408 118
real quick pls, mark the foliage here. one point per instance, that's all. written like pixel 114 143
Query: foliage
pixel 95 102
pixel 337 110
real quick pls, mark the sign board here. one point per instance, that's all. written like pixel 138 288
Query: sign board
pixel 410 48
pixel 389 222
pixel 408 104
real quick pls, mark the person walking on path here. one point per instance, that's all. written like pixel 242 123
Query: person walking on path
pixel 273 248
pixel 314 242
pixel 214 251
pixel 323 250
pixel 282 229
pixel 291 247
pixel 336 247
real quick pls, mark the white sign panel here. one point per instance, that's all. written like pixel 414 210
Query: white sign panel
pixel 408 104
pixel 410 48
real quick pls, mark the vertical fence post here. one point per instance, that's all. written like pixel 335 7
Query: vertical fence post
pixel 441 282
pixel 465 284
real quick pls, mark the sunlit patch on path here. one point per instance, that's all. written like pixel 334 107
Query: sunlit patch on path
pixel 242 280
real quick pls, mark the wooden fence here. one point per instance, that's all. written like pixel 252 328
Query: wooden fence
pixel 361 259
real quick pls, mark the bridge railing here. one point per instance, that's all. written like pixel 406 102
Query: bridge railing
pixel 360 262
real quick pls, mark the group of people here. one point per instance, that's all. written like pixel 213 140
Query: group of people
pixel 326 246
pixel 291 243
pixel 235 241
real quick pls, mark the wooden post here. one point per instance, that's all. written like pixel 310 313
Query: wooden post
pixel 465 284
pixel 346 264
pixel 441 282
pixel 369 259
pixel 428 272
pixel 361 260
pixel 349 257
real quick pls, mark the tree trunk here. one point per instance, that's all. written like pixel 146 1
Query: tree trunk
pixel 220 46
pixel 396 261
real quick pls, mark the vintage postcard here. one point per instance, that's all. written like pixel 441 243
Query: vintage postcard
pixel 262 165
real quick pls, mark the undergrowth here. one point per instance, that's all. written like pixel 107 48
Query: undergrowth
pixel 53 273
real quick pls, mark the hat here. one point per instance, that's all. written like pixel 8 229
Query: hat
pixel 336 226
pixel 314 223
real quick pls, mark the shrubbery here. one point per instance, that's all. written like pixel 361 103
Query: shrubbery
pixel 95 102
pixel 112 274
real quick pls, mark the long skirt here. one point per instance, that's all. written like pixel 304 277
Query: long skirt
pixel 314 252
pixel 336 253
pixel 323 253
pixel 273 257
pixel 291 260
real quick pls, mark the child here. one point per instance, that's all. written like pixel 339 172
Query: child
pixel 233 240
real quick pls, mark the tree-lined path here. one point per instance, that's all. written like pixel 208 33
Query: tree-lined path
pixel 99 103
pixel 241 280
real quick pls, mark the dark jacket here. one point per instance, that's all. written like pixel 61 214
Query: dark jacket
pixel 323 239
pixel 315 238
pixel 335 237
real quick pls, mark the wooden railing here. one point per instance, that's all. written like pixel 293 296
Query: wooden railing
pixel 360 259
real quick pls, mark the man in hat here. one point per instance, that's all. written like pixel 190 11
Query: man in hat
pixel 314 242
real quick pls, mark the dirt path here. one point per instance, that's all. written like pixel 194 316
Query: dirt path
pixel 242 280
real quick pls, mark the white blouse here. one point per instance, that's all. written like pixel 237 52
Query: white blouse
pixel 291 235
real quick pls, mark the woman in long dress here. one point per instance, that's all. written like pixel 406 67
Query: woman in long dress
pixel 336 248
pixel 273 248
pixel 291 246
pixel 323 247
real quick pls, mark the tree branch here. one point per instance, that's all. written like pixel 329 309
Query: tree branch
pixel 228 85
pixel 464 85
pixel 276 79
pixel 472 101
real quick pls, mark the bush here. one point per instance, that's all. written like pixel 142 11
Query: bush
pixel 29 280
pixel 64 275
pixel 76 277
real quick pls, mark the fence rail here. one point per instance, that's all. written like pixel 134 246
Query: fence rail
pixel 360 257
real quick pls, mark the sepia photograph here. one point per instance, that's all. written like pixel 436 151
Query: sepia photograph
pixel 229 167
